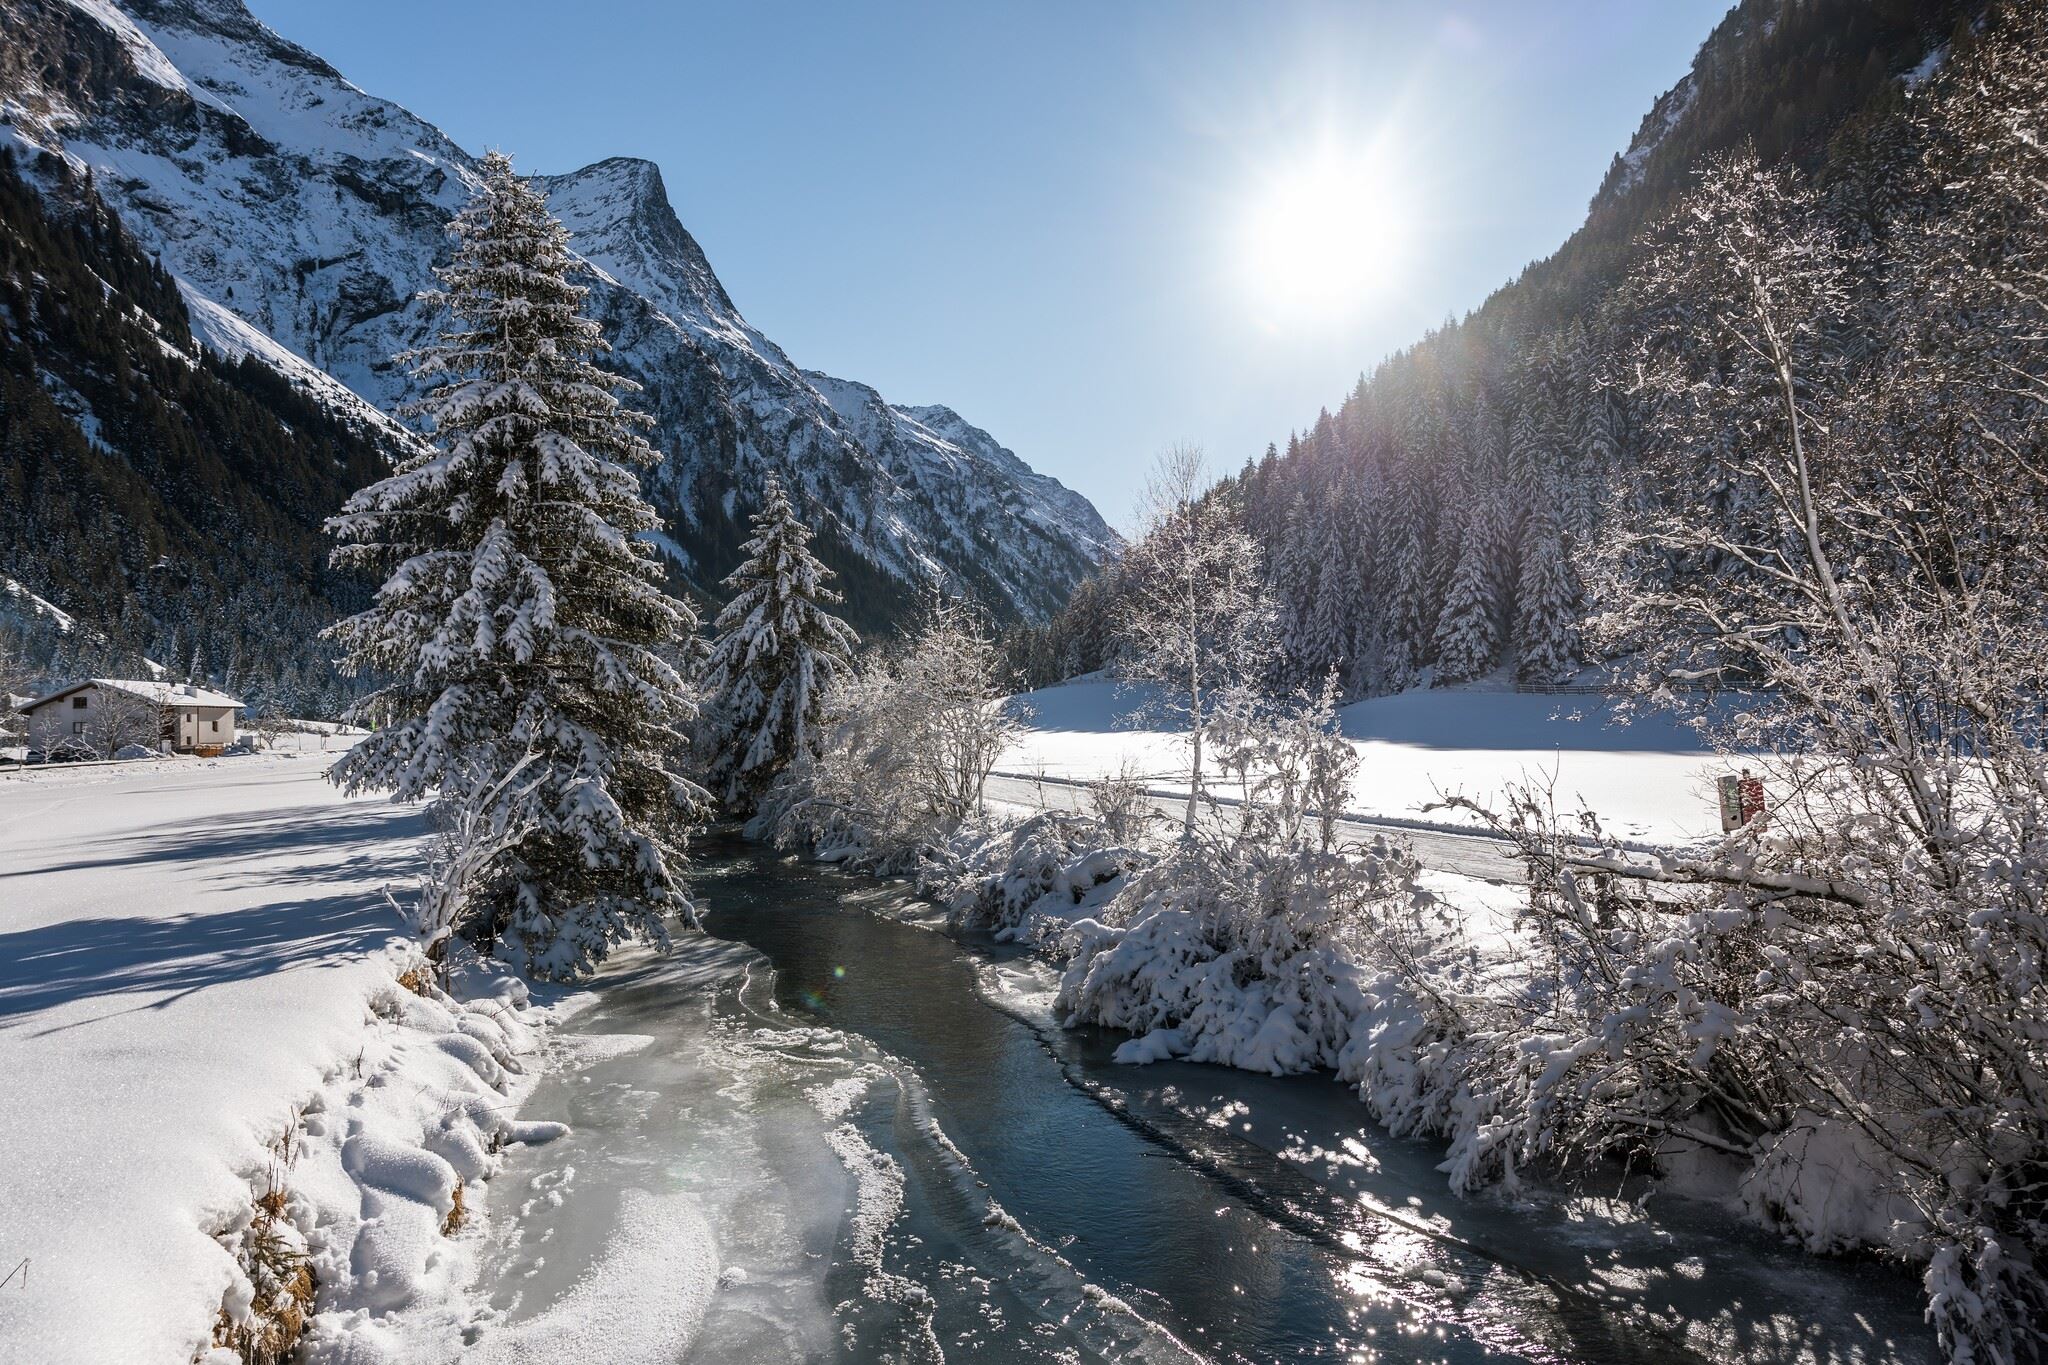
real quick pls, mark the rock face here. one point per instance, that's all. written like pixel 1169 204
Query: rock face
pixel 299 211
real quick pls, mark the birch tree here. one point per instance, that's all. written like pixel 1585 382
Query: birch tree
pixel 1194 616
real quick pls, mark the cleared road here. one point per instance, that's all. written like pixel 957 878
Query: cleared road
pixel 1468 855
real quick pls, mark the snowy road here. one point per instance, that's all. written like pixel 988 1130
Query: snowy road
pixel 1467 855
pixel 185 950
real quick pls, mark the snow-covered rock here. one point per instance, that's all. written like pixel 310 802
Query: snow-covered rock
pixel 303 215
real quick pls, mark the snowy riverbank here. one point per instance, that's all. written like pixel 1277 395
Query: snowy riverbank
pixel 201 1015
pixel 1500 1022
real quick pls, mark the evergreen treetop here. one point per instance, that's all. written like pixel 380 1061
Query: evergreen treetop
pixel 777 650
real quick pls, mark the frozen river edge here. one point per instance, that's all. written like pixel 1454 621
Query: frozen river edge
pixel 831 1140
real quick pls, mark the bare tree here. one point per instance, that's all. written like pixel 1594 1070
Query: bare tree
pixel 911 735
pixel 950 688
pixel 271 724
pixel 125 718
pixel 1194 616
pixel 1848 517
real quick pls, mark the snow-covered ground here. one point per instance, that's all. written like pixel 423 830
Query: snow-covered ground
pixel 199 1002
pixel 1651 779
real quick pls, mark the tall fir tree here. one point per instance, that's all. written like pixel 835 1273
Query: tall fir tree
pixel 1291 579
pixel 776 652
pixel 1546 633
pixel 523 634
pixel 1336 596
pixel 1467 631
pixel 1404 647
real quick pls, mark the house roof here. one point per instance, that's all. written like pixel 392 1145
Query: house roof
pixel 156 693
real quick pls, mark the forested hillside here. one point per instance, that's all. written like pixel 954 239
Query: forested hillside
pixel 1434 526
pixel 169 499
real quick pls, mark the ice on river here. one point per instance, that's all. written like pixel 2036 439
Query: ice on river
pixel 735 1188
pixel 690 1211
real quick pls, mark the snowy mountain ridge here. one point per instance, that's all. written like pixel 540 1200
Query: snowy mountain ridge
pixel 292 203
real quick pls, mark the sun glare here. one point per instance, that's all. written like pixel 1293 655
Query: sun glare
pixel 1323 236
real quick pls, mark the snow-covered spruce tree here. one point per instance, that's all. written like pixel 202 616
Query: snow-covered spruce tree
pixel 1407 621
pixel 1293 578
pixel 776 653
pixel 1338 594
pixel 522 627
pixel 1466 634
pixel 1546 629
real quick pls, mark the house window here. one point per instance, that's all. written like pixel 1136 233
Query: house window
pixel 77 727
pixel 214 726
pixel 78 703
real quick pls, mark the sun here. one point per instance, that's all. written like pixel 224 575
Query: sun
pixel 1323 236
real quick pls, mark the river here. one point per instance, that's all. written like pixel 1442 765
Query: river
pixel 828 1133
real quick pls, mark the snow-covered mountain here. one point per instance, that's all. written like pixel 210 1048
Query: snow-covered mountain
pixel 302 216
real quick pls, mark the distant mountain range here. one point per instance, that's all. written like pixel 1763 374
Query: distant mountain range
pixel 299 217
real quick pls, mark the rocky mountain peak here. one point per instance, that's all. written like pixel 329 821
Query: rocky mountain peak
pixel 302 217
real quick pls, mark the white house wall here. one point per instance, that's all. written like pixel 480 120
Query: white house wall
pixel 51 723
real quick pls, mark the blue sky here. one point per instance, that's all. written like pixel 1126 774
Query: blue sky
pixel 1069 221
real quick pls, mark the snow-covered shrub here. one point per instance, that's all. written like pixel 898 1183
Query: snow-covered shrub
pixel 1236 951
pixel 1118 803
pixel 1242 943
pixel 1031 880
pixel 1865 1045
pixel 264 1313
pixel 901 759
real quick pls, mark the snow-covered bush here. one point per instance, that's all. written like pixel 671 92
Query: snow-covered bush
pixel 1119 804
pixel 1241 944
pixel 1031 880
pixel 902 756
pixel 1241 951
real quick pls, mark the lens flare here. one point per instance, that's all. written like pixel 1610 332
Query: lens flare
pixel 1324 235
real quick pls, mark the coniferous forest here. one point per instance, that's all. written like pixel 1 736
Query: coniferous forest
pixel 1432 527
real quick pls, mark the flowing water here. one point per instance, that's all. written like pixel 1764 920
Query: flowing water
pixel 854 1139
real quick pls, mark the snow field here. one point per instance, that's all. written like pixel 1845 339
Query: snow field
pixel 1651 779
pixel 199 1006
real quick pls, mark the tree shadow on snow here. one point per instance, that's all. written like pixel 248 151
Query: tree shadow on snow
pixel 314 847
pixel 228 843
pixel 88 958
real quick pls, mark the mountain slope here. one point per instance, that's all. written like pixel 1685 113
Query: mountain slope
pixel 313 212
pixel 168 496
pixel 1500 437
